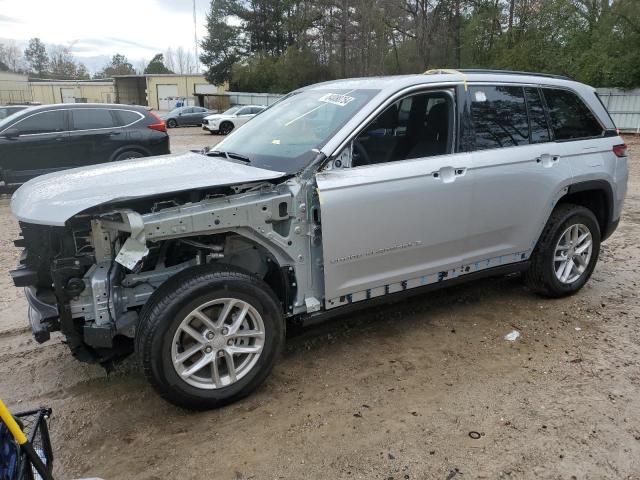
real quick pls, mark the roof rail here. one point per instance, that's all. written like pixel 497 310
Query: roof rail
pixel 513 72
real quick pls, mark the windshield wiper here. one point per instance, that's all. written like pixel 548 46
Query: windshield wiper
pixel 229 155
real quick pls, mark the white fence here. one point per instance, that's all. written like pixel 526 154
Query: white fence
pixel 624 107
pixel 248 98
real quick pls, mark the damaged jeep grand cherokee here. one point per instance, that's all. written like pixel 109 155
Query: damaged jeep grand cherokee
pixel 341 194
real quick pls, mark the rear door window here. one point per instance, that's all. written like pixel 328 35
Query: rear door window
pixel 45 122
pixel 537 117
pixel 92 118
pixel 499 117
pixel 570 117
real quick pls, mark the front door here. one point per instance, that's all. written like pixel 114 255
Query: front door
pixel 41 147
pixel 398 216
pixel 243 116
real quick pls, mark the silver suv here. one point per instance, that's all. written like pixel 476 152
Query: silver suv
pixel 341 194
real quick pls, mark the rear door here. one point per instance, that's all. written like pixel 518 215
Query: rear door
pixel 94 135
pixel 519 172
pixel 198 114
pixel 40 148
pixel 396 219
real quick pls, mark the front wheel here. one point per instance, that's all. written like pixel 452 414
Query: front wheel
pixel 128 155
pixel 172 123
pixel 226 128
pixel 209 336
pixel 567 252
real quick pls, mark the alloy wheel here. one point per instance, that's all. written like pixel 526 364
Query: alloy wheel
pixel 218 343
pixel 572 253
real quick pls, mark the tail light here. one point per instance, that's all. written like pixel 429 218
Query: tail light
pixel 160 126
pixel 620 150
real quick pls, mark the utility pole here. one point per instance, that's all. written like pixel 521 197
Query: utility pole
pixel 195 36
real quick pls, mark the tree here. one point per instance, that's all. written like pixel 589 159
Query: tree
pixel 36 56
pixel 11 56
pixel 63 66
pixel 119 65
pixel 224 45
pixel 156 65
pixel 277 45
pixel 184 61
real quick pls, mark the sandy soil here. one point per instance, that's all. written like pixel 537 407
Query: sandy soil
pixel 389 394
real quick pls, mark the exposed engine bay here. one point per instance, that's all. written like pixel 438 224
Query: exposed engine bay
pixel 90 278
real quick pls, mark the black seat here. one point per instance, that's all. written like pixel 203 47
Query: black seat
pixel 379 140
pixel 433 138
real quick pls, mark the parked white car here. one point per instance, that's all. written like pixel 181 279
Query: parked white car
pixel 225 122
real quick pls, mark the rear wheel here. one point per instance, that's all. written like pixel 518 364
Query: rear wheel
pixel 226 128
pixel 567 252
pixel 209 336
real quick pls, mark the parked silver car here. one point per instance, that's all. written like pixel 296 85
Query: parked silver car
pixel 341 194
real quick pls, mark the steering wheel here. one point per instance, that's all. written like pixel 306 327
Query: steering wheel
pixel 362 157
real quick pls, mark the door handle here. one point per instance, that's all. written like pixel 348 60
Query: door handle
pixel 449 174
pixel 113 134
pixel 547 160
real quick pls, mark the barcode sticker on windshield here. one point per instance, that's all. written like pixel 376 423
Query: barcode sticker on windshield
pixel 336 99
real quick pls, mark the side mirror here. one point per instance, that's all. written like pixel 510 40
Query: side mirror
pixel 11 133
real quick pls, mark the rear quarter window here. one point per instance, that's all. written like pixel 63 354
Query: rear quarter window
pixel 127 117
pixel 570 117
pixel 92 118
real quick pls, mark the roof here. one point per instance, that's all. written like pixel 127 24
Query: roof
pixel 399 82
pixel 63 106
pixel 55 81
pixel 160 75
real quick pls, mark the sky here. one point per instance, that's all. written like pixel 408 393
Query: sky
pixel 138 29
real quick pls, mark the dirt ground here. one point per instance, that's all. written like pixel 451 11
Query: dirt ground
pixel 386 394
pixel 184 139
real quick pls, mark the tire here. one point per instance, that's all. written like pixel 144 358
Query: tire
pixel 212 132
pixel 160 339
pixel 226 128
pixel 171 123
pixel 128 155
pixel 543 277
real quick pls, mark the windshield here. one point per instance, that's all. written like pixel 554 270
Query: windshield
pixel 6 111
pixel 231 111
pixel 286 136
